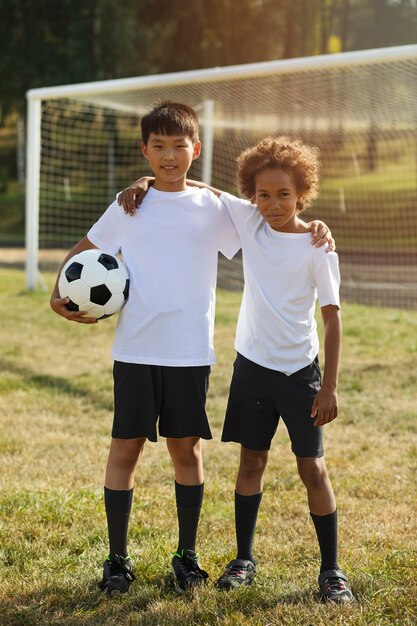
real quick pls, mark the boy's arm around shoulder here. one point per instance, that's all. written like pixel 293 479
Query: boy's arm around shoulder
pixel 131 197
pixel 325 405
pixel 321 234
pixel 57 303
pixel 200 185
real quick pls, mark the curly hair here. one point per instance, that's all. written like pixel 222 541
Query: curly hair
pixel 291 155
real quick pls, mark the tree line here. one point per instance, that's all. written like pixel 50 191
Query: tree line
pixel 52 42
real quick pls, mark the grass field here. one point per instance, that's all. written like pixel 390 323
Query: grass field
pixel 55 418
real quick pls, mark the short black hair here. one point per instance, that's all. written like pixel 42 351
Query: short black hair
pixel 170 118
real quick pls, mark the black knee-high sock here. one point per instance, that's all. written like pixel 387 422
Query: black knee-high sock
pixel 189 501
pixel 326 529
pixel 118 506
pixel 246 514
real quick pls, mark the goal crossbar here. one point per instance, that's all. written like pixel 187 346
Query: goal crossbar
pixel 245 70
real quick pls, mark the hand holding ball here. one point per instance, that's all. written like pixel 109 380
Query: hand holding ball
pixel 96 282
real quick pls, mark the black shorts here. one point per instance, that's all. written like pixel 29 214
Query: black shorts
pixel 175 395
pixel 259 396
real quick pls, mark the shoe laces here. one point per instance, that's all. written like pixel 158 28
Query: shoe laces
pixel 335 584
pixel 189 566
pixel 236 570
pixel 118 564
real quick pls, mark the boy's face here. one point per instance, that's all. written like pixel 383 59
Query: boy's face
pixel 170 158
pixel 276 198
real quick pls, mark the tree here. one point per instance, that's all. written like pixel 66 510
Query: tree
pixel 43 43
pixel 344 23
pixel 380 23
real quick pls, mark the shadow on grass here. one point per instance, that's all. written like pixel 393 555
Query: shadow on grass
pixel 87 606
pixel 51 384
pixel 81 605
pixel 72 606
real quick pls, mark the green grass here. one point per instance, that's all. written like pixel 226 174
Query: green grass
pixel 55 418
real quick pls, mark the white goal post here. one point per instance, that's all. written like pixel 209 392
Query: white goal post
pixel 359 107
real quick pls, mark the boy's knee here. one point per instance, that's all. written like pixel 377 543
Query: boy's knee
pixel 313 471
pixel 253 462
pixel 126 451
pixel 185 451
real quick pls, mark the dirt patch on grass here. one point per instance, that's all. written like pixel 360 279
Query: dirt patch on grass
pixel 16 258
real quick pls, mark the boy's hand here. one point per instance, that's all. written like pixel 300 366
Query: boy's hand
pixel 324 408
pixel 59 306
pixel 131 197
pixel 321 234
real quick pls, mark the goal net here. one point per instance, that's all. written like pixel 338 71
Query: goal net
pixel 359 108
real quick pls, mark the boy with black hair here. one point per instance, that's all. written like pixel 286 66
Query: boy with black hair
pixel 163 346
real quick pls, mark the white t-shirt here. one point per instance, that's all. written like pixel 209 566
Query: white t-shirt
pixel 170 247
pixel 284 276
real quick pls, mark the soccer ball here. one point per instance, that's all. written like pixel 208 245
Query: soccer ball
pixel 94 281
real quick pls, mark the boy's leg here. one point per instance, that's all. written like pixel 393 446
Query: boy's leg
pixel 313 472
pixel 186 455
pixel 118 490
pixel 248 496
pixel 183 421
pixel 322 504
pixel 118 495
pixel 251 420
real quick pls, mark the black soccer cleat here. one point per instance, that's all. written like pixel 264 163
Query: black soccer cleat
pixel 334 587
pixel 238 573
pixel 187 570
pixel 117 575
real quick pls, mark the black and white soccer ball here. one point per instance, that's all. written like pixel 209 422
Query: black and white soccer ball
pixel 96 282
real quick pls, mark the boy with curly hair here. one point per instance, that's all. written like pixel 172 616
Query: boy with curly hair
pixel 276 372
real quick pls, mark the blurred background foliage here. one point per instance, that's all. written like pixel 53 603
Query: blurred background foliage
pixel 54 42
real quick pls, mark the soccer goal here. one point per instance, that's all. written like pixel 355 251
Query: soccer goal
pixel 360 108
